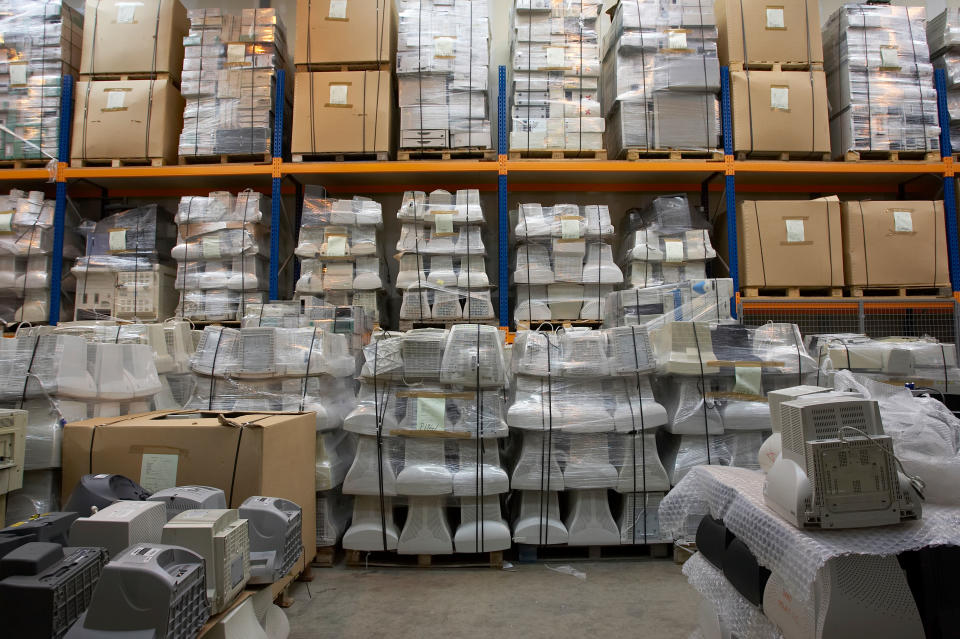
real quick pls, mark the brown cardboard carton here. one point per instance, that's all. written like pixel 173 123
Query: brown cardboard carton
pixel 120 119
pixel 776 111
pixel 785 31
pixel 895 244
pixel 342 32
pixel 343 112
pixel 790 243
pixel 268 454
pixel 121 37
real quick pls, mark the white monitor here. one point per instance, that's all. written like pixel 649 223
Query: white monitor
pixel 120 525
pixel 184 498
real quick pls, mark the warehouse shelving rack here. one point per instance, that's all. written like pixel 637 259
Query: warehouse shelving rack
pixel 893 179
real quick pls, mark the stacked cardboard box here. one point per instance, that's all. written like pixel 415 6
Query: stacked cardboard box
pixel 943 38
pixel 41 44
pixel 880 80
pixel 443 62
pixel 230 69
pixel 783 109
pixel 344 95
pixel 118 117
pixel 555 102
pixel 660 73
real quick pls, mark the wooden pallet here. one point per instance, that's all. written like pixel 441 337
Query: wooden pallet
pixel 123 77
pixel 783 156
pixel 391 559
pixel 409 325
pixel 683 552
pixel 327 556
pixel 225 158
pixel 118 162
pixel 802 65
pixel 529 553
pixel 900 291
pixel 378 156
pixel 343 66
pixel 486 155
pixel 557 154
pixel 792 291
pixel 201 324
pixel 891 156
pixel 552 324
pixel 31 163
pixel 633 155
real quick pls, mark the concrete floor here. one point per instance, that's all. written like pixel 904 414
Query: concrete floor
pixel 647 598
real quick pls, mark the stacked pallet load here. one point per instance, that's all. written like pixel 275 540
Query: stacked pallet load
pixel 341 252
pixel 584 411
pixel 660 73
pixel 229 80
pixel 127 273
pixel 129 110
pixel 555 103
pixel 777 86
pixel 26 252
pixel 943 40
pixel 564 266
pixel 441 254
pixel 41 44
pixel 222 245
pixel 344 106
pixel 429 416
pixel 880 83
pixel 443 63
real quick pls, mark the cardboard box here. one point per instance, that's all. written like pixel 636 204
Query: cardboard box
pixel 121 119
pixel 777 31
pixel 789 243
pixel 776 111
pixel 343 112
pixel 268 454
pixel 341 32
pixel 894 244
pixel 119 37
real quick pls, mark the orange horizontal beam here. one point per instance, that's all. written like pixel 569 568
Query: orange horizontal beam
pixel 187 170
pixel 869 306
pixel 24 175
pixel 614 166
pixel 829 168
pixel 391 168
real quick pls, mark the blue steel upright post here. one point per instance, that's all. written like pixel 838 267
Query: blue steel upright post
pixel 60 210
pixel 730 188
pixel 949 185
pixel 276 202
pixel 502 213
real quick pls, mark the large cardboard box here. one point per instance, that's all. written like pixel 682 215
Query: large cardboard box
pixel 785 32
pixel 343 112
pixel 776 111
pixel 790 243
pixel 243 454
pixel 342 32
pixel 127 119
pixel 897 243
pixel 133 37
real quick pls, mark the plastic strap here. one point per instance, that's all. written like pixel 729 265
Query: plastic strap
pixel 703 395
pixel 643 75
pixel 26 378
pixel 213 371
pixel 746 70
pixel 546 457
pixel 86 99
pixel 153 80
pixel 381 21
pixel 813 100
pixel 579 84
pixel 863 237
pixel 306 377
pixel 866 66
pixel 479 524
pixel 916 66
pixel 946 381
pixel 419 105
pixel 763 265
pixel 379 415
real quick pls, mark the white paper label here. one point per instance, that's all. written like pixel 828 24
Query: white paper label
pixel 677 40
pixel 555 57
pixel 336 245
pixel 118 240
pixel 338 10
pixel 430 413
pixel 126 12
pixel 6 222
pixel 794 230
pixel 673 250
pixel 115 99
pixel 443 223
pixel 18 74
pixel 775 18
pixel 902 222
pixel 570 229
pixel 889 58
pixel 158 471
pixel 748 380
pixel 443 47
pixel 338 94
pixel 780 98
pixel 236 52
pixel 210 248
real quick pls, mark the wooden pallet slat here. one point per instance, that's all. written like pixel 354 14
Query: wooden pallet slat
pixel 900 291
pixel 408 325
pixel 636 154
pixel 531 553
pixel 25 163
pixel 123 77
pixel 798 65
pixel 557 154
pixel 890 156
pixel 683 552
pixel 117 163
pixel 532 325
pixel 327 556
pixel 370 156
pixel 314 67
pixel 393 559
pixel 783 156
pixel 225 158
pixel 792 291
pixel 485 155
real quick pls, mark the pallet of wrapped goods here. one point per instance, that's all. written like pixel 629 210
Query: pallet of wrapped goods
pixel 943 37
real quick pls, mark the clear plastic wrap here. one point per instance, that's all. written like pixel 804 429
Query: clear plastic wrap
pixel 229 81
pixel 443 60
pixel 145 231
pixel 880 80
pixel 168 341
pixel 685 452
pixel 334 510
pixel 216 305
pixel 40 494
pixel 689 301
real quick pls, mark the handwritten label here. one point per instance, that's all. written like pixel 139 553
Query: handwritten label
pixel 794 230
pixel 210 248
pixel 126 12
pixel 115 99
pixel 336 245
pixel 338 93
pixel 780 98
pixel 118 240
pixel 430 413
pixel 775 18
pixel 748 380
pixel 673 250
pixel 338 10
pixel 18 74
pixel 158 471
pixel 443 223
pixel 903 221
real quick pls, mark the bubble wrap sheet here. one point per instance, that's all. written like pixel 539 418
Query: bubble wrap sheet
pixel 735 495
pixel 741 618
